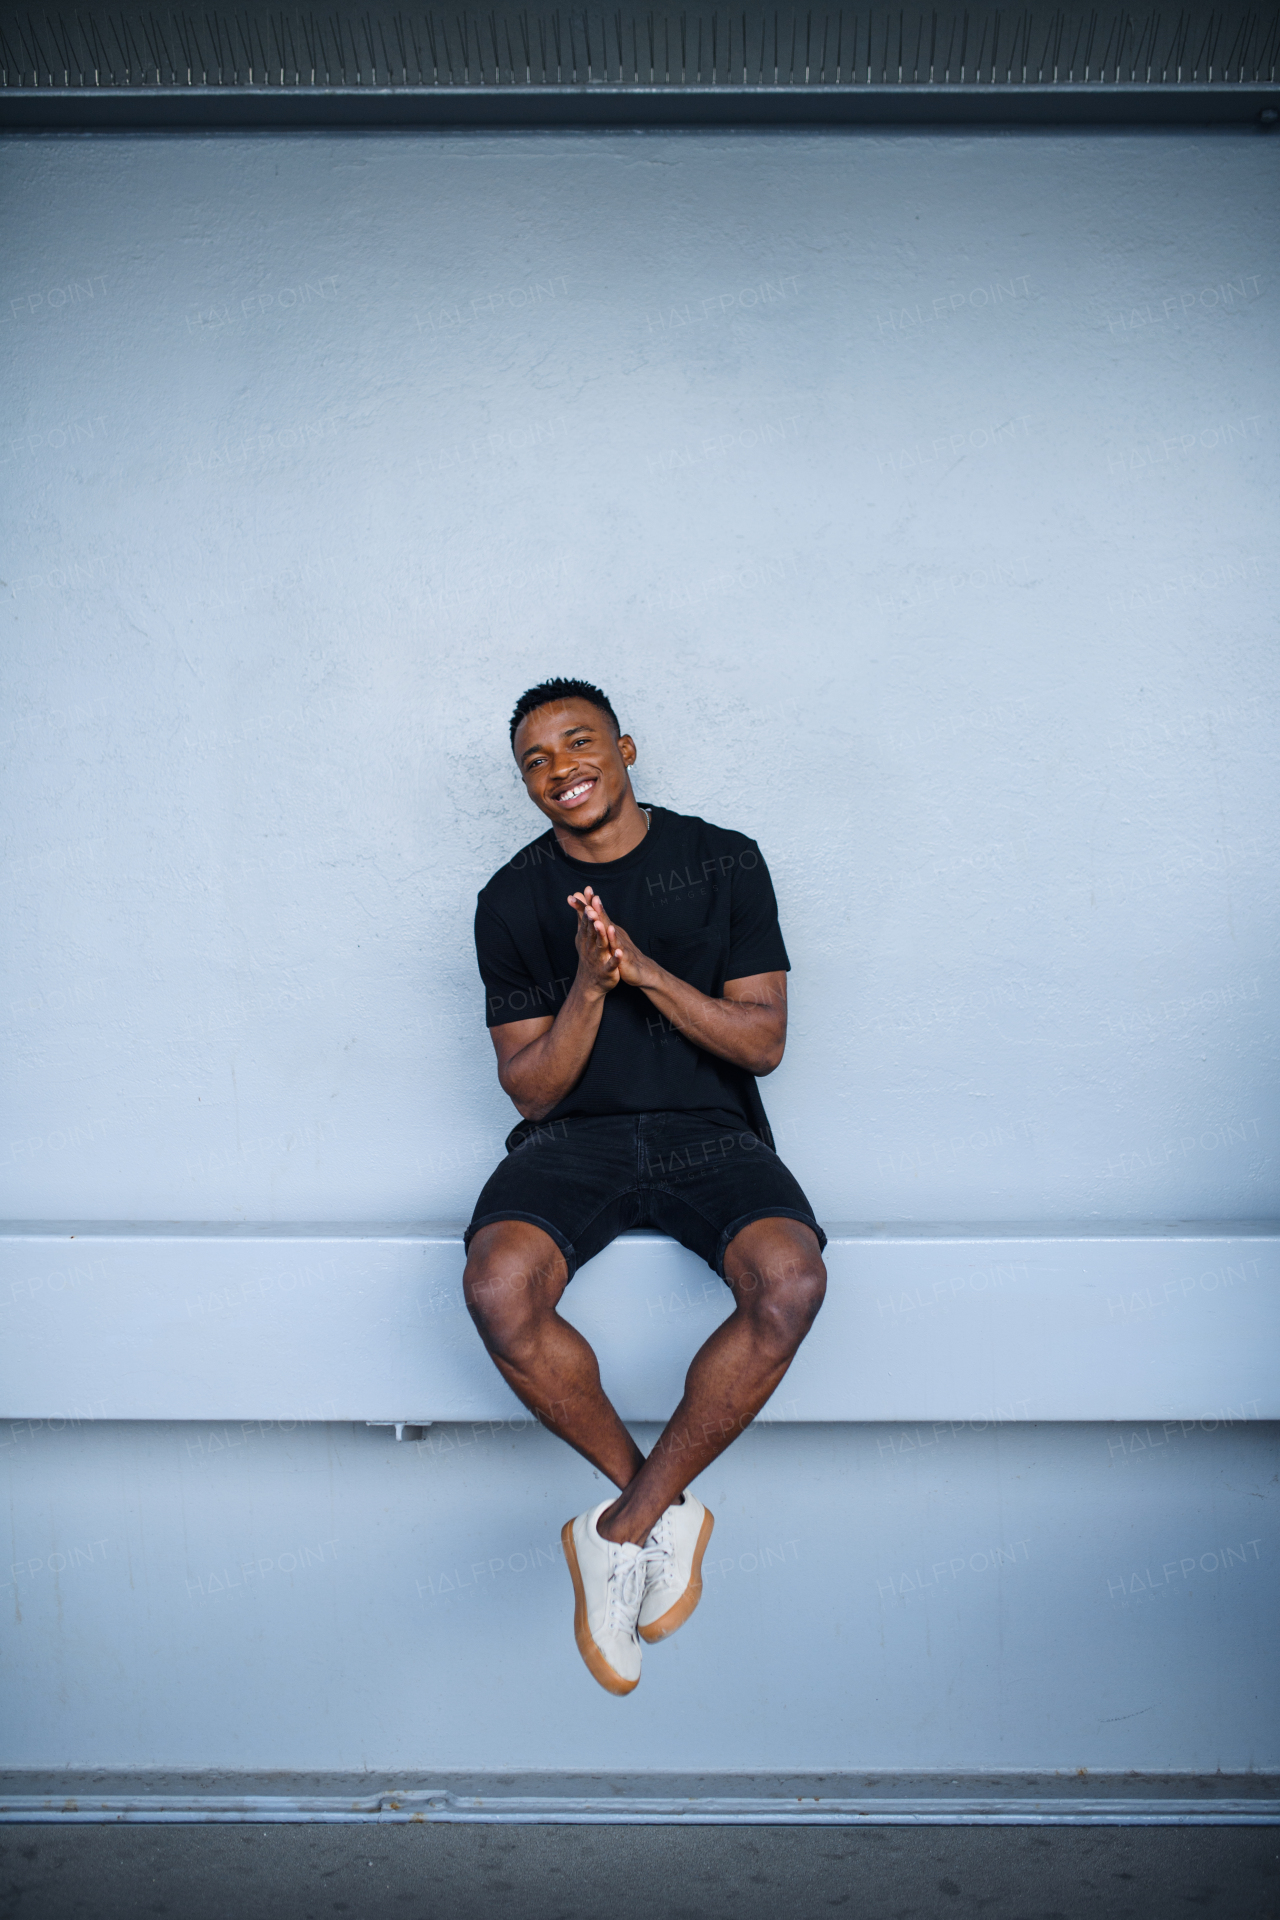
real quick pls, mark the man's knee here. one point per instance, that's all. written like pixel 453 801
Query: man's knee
pixel 503 1300
pixel 788 1301
pixel 510 1289
pixel 781 1287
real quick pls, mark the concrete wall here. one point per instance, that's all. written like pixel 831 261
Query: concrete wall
pixel 247 1596
pixel 913 494
pixel 914 497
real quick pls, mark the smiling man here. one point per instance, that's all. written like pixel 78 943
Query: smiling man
pixel 635 983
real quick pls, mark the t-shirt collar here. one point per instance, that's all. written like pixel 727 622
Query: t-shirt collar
pixel 606 869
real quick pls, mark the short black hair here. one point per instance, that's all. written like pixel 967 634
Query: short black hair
pixel 548 690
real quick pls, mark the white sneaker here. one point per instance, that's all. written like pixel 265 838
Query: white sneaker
pixel 674 1558
pixel 608 1586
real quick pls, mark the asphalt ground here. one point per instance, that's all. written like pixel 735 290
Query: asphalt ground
pixel 441 1872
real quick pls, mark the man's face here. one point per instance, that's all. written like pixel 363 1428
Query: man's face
pixel 573 765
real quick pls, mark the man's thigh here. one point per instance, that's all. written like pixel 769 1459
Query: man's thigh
pixel 706 1183
pixel 573 1179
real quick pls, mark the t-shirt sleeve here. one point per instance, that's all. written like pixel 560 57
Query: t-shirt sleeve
pixel 755 938
pixel 510 991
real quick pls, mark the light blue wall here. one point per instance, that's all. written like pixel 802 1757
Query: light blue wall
pixel 914 496
pixel 244 1596
pixel 965 610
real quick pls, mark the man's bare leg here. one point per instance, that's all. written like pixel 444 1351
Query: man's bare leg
pixel 774 1269
pixel 514 1280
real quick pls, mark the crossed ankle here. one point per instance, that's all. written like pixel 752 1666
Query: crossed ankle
pixel 615 1524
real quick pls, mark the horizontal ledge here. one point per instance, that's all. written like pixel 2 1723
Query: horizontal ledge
pixel 302 108
pixel 360 1322
pixel 551 1810
pixel 835 1798
pixel 877 1232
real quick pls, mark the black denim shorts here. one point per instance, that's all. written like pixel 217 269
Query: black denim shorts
pixel 588 1179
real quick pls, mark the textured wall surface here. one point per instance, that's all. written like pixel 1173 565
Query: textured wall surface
pixel 913 495
pixel 937 1596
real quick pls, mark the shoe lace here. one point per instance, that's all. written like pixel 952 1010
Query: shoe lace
pixel 627 1574
pixel 660 1553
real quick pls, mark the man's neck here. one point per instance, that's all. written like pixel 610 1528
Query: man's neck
pixel 611 840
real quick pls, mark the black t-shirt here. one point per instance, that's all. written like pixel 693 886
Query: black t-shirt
pixel 697 899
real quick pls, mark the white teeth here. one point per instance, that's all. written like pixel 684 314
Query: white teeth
pixel 573 792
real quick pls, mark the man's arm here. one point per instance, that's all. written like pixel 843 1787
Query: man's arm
pixel 540 1061
pixel 748 1027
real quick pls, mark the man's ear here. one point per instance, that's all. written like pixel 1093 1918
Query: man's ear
pixel 627 748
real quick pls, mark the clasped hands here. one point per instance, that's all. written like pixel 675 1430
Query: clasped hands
pixel 605 951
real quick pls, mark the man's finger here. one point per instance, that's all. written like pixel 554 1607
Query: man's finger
pixel 598 924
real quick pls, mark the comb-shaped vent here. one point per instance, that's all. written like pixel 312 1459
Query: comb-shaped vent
pixel 705 51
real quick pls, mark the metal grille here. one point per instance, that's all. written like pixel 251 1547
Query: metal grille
pixel 875 46
pixel 708 51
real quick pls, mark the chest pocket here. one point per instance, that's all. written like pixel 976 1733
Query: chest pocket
pixel 693 956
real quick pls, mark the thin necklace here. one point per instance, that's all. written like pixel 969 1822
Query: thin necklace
pixel 648 818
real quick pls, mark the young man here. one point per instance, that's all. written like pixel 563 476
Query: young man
pixel 635 983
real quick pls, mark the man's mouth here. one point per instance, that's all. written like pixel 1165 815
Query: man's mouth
pixel 574 796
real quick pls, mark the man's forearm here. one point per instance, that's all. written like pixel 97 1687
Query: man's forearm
pixel 541 1074
pixel 745 1033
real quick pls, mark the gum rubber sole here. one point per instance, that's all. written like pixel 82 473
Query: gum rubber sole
pixel 665 1625
pixel 597 1666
